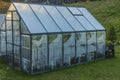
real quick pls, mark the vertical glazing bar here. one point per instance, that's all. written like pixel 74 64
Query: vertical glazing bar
pixel 86 47
pixel 75 47
pixel 20 44
pixel 6 40
pixel 30 55
pixel 48 51
pixel 12 41
pixel 0 41
pixel 62 50
pixel 96 46
pixel 105 44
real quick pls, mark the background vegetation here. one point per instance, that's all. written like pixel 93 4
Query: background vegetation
pixel 4 6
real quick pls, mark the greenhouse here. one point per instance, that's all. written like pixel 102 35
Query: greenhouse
pixel 38 38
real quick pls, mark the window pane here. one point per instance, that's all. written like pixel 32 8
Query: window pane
pixel 9 54
pixel 9 31
pixel 25 41
pixel 81 47
pixel 25 51
pixel 100 44
pixel 2 43
pixel 44 17
pixel 29 18
pixel 55 51
pixel 91 42
pixel 62 23
pixel 24 28
pixel 17 56
pixel 15 16
pixel 16 32
pixel 39 53
pixel 69 49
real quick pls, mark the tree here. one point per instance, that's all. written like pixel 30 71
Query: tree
pixel 112 34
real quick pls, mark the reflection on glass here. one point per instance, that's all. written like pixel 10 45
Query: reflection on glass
pixel 23 28
pixel 9 31
pixel 69 49
pixel 39 53
pixel 16 33
pixel 9 54
pixel 2 43
pixel 9 16
pixel 100 45
pixel 25 52
pixel 17 56
pixel 15 16
pixel 91 41
pixel 55 51
pixel 80 47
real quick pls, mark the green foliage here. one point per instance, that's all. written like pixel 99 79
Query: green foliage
pixel 112 34
pixel 108 42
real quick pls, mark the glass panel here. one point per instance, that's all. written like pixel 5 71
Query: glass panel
pixel 101 44
pixel 29 18
pixel 74 11
pixel 85 23
pixel 2 43
pixel 44 17
pixel 26 65
pixel 17 56
pixel 11 7
pixel 55 51
pixel 15 16
pixel 69 49
pixel 16 32
pixel 91 43
pixel 81 47
pixel 9 16
pixel 24 29
pixel 92 20
pixel 9 31
pixel 2 19
pixel 62 23
pixel 71 19
pixel 3 26
pixel 25 51
pixel 25 41
pixel 39 53
pixel 9 54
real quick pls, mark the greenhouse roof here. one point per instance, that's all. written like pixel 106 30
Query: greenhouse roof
pixel 56 19
pixel 2 18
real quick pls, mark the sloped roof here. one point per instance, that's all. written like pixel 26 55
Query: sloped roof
pixel 51 19
pixel 2 18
